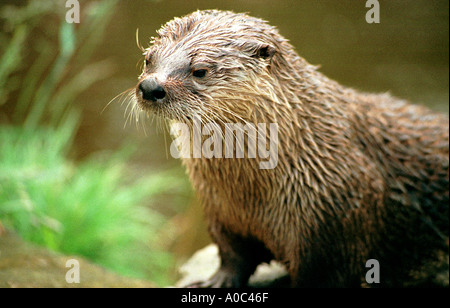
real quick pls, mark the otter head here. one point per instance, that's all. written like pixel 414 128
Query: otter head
pixel 207 63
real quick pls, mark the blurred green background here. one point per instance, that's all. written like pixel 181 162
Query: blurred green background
pixel 77 180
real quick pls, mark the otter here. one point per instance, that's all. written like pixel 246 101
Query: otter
pixel 359 176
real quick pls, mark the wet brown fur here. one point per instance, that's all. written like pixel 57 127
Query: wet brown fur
pixel 359 176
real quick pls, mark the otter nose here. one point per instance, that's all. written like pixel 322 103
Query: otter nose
pixel 151 90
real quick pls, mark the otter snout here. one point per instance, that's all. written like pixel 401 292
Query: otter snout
pixel 151 90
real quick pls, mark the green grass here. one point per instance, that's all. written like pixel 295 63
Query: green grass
pixel 96 208
pixel 91 209
pixel 85 209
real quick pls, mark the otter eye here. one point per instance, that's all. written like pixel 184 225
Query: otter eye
pixel 199 73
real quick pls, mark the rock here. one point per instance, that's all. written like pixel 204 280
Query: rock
pixel 23 265
pixel 205 262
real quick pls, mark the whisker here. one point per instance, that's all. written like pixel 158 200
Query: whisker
pixel 115 97
pixel 137 41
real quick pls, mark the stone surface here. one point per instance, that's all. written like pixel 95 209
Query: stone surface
pixel 23 265
pixel 205 262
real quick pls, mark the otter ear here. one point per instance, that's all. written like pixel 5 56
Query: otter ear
pixel 257 49
pixel 264 51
